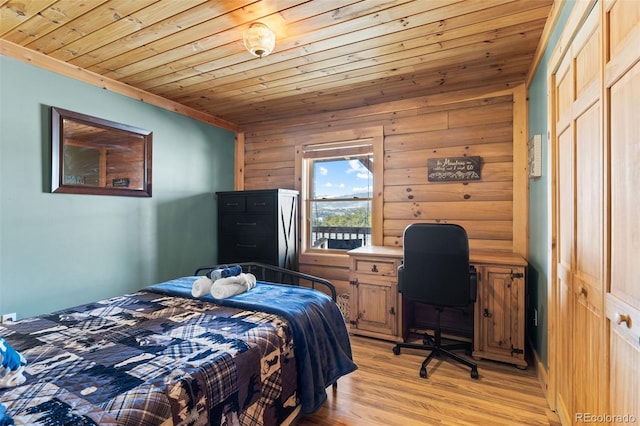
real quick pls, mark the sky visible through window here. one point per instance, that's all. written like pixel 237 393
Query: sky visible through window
pixel 341 179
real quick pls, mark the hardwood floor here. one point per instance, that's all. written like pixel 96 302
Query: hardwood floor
pixel 387 390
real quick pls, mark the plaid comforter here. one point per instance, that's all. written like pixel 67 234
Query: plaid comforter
pixel 152 359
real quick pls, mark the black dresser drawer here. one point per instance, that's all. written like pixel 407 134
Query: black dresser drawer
pixel 247 225
pixel 249 204
pixel 250 249
pixel 233 204
pixel 260 203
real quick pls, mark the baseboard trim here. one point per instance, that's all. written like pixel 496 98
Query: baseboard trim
pixel 541 371
pixel 543 378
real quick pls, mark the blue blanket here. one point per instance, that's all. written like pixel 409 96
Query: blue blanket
pixel 322 347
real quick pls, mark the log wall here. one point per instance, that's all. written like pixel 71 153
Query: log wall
pixel 489 122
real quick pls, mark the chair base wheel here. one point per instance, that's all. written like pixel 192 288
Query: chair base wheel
pixel 396 350
pixel 474 374
pixel 423 373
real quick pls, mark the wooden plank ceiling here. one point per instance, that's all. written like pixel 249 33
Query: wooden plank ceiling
pixel 330 55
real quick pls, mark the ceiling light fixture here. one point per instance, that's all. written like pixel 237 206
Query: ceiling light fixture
pixel 259 40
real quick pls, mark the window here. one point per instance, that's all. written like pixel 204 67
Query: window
pixel 341 206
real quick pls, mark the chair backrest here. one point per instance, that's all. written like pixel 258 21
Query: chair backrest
pixel 436 269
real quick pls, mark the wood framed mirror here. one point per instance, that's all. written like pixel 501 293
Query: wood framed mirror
pixel 90 155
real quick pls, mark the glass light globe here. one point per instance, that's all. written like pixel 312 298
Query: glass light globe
pixel 259 40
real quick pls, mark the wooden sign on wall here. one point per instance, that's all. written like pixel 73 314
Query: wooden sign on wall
pixel 452 169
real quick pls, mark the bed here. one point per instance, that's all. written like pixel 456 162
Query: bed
pixel 161 356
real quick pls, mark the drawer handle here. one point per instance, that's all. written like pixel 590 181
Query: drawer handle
pixel 232 204
pixel 259 204
pixel 374 268
pixel 623 318
pixel 246 223
pixel 246 245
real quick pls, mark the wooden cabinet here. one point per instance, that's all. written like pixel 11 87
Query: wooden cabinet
pixel 258 226
pixel 378 310
pixel 375 304
pixel 500 314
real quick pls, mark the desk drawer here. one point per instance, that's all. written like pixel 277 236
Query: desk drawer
pixel 375 266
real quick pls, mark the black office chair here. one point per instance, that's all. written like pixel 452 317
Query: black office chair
pixel 436 272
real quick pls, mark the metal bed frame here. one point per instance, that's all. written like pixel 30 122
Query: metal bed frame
pixel 275 274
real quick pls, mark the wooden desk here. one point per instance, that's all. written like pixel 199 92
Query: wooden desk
pixel 378 310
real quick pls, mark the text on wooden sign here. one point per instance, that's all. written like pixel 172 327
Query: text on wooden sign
pixel 453 169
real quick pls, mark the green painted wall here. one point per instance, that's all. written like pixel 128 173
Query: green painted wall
pixel 61 250
pixel 539 200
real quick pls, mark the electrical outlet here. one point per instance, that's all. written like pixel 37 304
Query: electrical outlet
pixel 9 317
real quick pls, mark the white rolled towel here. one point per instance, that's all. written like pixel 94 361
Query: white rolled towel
pixel 231 286
pixel 201 286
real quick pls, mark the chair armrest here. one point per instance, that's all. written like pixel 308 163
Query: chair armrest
pixel 400 278
pixel 473 283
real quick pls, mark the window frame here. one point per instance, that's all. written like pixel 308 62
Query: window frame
pixel 332 144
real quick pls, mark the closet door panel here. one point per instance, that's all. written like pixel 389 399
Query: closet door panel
pixel 595 80
pixel 588 279
pixel 565 152
pixel 580 226
pixel 623 308
pixel 625 185
pixel 624 373
pixel 622 100
pixel 589 204
pixel 564 273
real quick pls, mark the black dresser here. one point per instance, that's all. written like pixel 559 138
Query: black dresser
pixel 258 226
